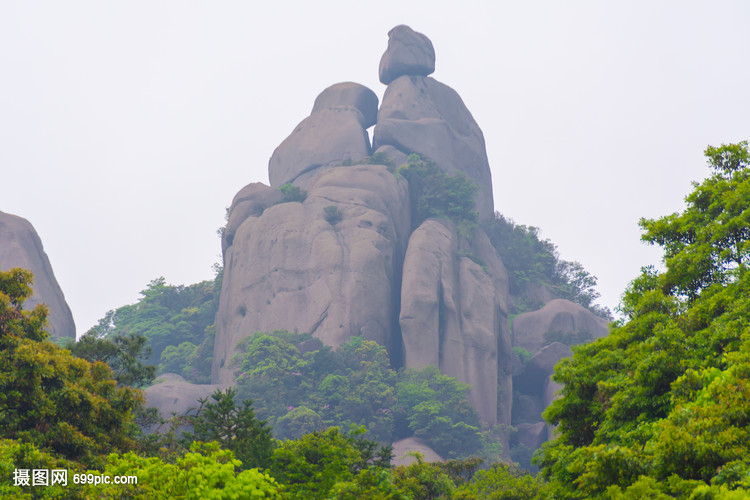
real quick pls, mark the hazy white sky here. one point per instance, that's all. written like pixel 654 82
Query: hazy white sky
pixel 127 127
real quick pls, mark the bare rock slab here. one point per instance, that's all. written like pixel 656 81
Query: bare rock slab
pixel 172 394
pixel 403 447
pixel 20 246
pixel 328 266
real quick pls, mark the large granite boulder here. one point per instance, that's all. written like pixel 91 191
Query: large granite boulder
pixel 172 394
pixel 20 246
pixel 421 115
pixel 403 449
pixel 454 313
pixel 559 320
pixel 329 266
pixel 408 53
pixel 351 94
pixel 333 134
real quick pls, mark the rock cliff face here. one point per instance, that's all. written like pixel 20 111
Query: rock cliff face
pixel 342 259
pixel 20 246
pixel 333 264
pixel 329 265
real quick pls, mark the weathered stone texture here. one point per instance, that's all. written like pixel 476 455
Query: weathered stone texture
pixel 333 134
pixel 408 53
pixel 559 320
pixel 453 312
pixel 291 268
pixel 421 115
pixel 20 246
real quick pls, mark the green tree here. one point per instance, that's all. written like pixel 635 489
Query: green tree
pixel 434 407
pixel 435 194
pixel 234 427
pixel 290 193
pixel 310 466
pixel 166 315
pixel 124 354
pixel 709 242
pixel 660 406
pixel 50 398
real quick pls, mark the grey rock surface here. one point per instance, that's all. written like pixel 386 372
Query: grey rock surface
pixel 349 94
pixel 559 320
pixel 540 367
pixel 20 246
pixel 454 313
pixel 396 157
pixel 408 53
pixel 421 115
pixel 291 268
pixel 250 201
pixel 402 447
pixel 328 137
pixel 173 394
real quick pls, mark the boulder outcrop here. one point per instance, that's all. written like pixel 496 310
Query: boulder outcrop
pixel 345 261
pixel 329 266
pixel 559 320
pixel 333 134
pixel 173 394
pixel 423 116
pixel 454 312
pixel 403 447
pixel 408 53
pixel 20 246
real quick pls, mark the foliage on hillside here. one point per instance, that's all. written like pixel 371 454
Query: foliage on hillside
pixel 662 405
pixel 354 385
pixel 50 398
pixel 176 323
pixel 433 193
pixel 532 261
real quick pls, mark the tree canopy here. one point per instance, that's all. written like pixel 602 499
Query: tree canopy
pixel 662 405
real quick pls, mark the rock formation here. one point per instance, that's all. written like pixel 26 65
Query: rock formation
pixel 334 133
pixel 546 334
pixel 454 312
pixel 329 265
pixel 20 246
pixel 343 260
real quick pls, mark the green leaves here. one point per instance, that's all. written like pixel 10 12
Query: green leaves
pixel 235 427
pixel 435 194
pixel 662 405
pixel 49 397
pixel 708 243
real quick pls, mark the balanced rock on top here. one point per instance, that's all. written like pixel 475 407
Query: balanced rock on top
pixel 408 53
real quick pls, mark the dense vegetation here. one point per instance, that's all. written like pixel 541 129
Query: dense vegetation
pixel 170 327
pixel 534 262
pixel 433 193
pixel 661 407
pixel 658 409
pixel 354 385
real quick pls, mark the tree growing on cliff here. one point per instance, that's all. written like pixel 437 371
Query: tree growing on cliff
pixel 434 194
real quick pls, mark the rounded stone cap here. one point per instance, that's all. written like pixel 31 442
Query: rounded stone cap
pixel 408 53
pixel 350 94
